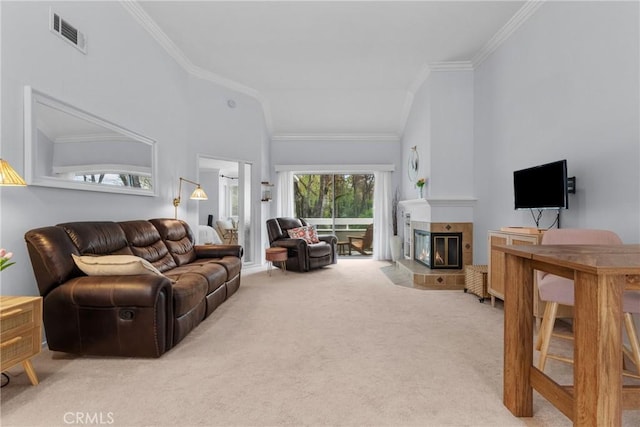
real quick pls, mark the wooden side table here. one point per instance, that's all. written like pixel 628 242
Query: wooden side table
pixel 20 332
pixel 342 248
pixel 276 255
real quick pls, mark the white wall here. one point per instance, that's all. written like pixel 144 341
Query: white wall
pixel 417 133
pixel 336 152
pixel 440 126
pixel 451 156
pixel 209 179
pixel 127 78
pixel 564 86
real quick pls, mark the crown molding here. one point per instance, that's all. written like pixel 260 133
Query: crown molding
pixel 134 8
pixel 451 66
pixel 152 28
pixel 519 18
pixel 90 138
pixel 203 74
pixel 422 76
pixel 406 111
pixel 383 137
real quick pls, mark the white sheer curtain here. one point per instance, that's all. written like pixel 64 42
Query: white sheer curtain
pixel 284 198
pixel 382 215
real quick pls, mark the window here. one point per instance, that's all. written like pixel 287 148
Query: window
pixel 115 179
pixel 334 203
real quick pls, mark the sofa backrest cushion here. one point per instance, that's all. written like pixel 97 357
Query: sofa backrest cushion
pixel 277 228
pixel 165 243
pixel 178 237
pixel 145 241
pixel 49 250
pixel 97 238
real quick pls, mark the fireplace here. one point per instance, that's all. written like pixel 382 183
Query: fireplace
pixel 438 250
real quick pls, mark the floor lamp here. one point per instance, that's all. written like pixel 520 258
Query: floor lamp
pixel 198 194
pixel 8 176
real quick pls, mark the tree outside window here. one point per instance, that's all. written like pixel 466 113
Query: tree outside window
pixel 334 197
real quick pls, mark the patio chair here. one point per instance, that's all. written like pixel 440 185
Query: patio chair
pixel 362 243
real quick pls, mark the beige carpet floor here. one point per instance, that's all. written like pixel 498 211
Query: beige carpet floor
pixel 339 346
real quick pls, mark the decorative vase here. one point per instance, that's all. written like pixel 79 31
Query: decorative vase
pixel 396 248
pixel 420 192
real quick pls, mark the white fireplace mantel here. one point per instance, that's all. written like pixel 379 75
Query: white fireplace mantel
pixel 440 209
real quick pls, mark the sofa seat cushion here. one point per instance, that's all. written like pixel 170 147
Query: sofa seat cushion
pixel 189 290
pixel 214 274
pixel 231 264
pixel 318 250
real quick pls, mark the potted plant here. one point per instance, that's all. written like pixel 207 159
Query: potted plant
pixel 420 184
pixel 4 259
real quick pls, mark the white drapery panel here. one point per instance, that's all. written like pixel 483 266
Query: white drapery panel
pixel 284 198
pixel 382 225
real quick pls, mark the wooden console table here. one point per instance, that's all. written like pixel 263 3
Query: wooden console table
pixel 600 274
pixel 20 332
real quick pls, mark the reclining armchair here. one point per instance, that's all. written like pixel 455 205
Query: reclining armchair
pixel 302 255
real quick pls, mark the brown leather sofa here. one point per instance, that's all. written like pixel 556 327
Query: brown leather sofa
pixel 302 256
pixel 128 315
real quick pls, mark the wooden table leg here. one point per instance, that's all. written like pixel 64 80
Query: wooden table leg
pixel 598 350
pixel 518 336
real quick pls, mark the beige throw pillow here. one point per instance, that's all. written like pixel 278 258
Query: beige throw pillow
pixel 114 265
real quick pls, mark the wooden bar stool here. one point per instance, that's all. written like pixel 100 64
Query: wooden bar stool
pixel 276 255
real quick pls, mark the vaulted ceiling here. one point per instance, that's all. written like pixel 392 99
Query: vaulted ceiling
pixel 329 67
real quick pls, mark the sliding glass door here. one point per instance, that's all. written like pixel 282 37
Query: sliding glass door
pixel 336 203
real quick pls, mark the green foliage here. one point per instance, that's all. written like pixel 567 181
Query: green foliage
pixel 314 196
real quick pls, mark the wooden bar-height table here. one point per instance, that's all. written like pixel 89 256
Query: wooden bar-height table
pixel 600 274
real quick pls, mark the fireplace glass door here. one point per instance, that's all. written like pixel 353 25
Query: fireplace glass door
pixel 438 250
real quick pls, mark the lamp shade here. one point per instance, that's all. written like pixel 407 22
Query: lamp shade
pixel 198 194
pixel 8 176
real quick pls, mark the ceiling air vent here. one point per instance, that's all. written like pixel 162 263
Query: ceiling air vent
pixel 68 32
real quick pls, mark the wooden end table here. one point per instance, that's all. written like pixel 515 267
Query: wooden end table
pixel 276 255
pixel 342 248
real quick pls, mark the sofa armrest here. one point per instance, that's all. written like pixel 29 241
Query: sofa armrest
pixel 130 316
pixel 218 251
pixel 329 238
pixel 332 240
pixel 297 244
pixel 109 291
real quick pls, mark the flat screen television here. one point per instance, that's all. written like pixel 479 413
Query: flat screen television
pixel 541 187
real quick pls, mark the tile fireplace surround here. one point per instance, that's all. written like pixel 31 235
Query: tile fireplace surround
pixel 437 216
pixel 447 278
